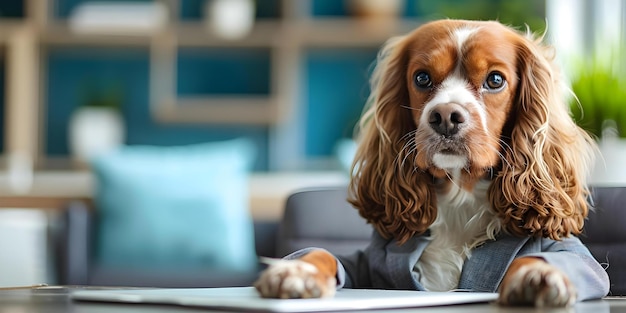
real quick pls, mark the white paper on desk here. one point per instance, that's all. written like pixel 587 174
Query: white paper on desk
pixel 246 298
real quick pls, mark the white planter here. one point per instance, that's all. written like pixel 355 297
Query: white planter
pixel 93 131
pixel 230 19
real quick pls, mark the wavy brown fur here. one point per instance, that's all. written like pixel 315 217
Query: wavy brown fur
pixel 543 190
pixel 388 193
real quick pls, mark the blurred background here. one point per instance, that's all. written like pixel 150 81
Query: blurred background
pixel 82 79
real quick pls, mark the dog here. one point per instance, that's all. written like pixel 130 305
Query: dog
pixel 471 171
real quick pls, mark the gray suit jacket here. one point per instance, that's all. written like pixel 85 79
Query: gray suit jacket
pixel 386 265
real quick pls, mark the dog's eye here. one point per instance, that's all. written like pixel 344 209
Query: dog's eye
pixel 422 80
pixel 495 82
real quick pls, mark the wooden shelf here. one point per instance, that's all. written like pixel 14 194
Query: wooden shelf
pixel 349 32
pixel 265 34
pixel 8 27
pixel 218 110
pixel 314 32
pixel 59 33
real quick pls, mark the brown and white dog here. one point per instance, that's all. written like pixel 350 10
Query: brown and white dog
pixel 467 135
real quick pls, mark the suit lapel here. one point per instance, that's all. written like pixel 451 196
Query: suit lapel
pixel 486 267
pixel 400 261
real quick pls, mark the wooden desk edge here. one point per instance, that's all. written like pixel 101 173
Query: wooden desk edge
pixel 40 202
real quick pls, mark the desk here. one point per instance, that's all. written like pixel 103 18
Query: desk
pixel 56 300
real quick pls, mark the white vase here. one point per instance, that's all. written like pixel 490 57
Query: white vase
pixel 93 131
pixel 230 19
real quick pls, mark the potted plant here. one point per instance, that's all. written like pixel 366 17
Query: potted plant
pixel 599 107
pixel 518 13
pixel 96 126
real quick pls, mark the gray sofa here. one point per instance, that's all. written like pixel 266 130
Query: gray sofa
pixel 314 217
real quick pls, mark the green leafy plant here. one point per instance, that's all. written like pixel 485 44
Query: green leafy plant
pixel 98 94
pixel 517 13
pixel 600 88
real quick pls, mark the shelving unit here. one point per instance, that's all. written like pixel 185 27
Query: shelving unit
pixel 286 37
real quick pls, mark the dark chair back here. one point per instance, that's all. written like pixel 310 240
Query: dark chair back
pixel 322 217
pixel 605 234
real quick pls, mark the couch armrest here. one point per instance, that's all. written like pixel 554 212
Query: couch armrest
pixel 73 247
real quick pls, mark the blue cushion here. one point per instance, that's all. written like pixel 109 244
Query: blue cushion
pixel 175 206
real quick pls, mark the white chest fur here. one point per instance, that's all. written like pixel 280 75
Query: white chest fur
pixel 464 221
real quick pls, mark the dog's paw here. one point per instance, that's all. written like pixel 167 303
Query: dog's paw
pixel 294 279
pixel 539 284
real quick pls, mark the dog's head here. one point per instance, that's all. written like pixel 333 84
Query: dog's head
pixel 455 102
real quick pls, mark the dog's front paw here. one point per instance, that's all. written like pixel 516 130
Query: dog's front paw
pixel 294 279
pixel 539 284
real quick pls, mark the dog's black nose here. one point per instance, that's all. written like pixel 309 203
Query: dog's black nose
pixel 447 118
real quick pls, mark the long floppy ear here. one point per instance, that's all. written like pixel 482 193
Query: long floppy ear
pixel 385 187
pixel 542 187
